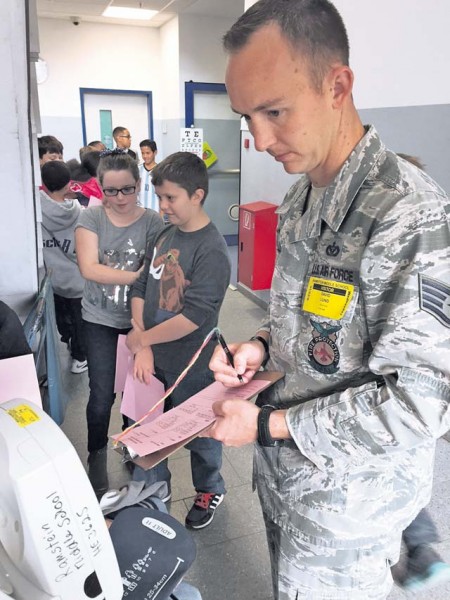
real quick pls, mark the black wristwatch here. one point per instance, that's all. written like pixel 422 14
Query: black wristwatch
pixel 259 338
pixel 264 437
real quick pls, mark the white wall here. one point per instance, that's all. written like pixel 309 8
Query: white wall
pixel 18 272
pixel 202 58
pixel 399 51
pixel 92 55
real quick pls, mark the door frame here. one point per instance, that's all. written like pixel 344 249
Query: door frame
pixel 109 92
pixel 190 87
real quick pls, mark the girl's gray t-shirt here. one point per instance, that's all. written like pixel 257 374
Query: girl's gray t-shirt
pixel 121 248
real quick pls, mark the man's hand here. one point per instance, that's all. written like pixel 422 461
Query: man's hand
pixel 134 338
pixel 247 357
pixel 144 366
pixel 236 423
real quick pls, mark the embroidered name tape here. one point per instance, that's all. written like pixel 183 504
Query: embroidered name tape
pixel 327 298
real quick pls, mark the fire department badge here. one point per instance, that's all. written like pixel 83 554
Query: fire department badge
pixel 323 353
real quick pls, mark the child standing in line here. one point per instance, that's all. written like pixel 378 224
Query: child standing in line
pixel 175 303
pixel 59 218
pixel 111 241
pixel 147 196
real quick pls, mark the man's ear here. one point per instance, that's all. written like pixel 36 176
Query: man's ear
pixel 341 85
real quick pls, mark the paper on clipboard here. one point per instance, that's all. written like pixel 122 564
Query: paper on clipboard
pixel 156 440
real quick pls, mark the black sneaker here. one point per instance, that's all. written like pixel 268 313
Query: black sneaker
pixel 203 509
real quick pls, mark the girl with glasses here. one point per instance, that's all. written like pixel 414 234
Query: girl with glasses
pixel 110 244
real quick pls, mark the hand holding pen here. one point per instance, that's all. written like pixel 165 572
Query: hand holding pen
pixel 228 354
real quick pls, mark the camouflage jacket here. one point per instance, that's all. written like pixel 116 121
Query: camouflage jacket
pixel 359 315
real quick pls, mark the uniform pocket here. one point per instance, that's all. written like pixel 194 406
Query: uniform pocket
pixel 301 481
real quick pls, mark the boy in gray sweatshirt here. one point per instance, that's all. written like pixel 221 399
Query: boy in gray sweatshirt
pixel 59 217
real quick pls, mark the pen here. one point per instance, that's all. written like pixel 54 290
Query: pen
pixel 228 354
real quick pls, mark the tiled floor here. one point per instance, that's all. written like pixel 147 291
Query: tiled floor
pixel 232 561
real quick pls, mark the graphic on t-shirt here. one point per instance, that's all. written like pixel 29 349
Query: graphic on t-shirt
pixel 167 269
pixel 116 297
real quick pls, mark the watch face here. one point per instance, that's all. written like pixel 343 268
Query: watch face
pixel 41 70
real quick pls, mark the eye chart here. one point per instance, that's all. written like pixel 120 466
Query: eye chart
pixel 191 140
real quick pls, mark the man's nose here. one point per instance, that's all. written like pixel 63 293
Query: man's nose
pixel 263 136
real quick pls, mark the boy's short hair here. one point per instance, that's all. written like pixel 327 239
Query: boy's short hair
pixel 185 169
pixel 55 175
pixel 149 144
pixel 90 162
pixel 48 144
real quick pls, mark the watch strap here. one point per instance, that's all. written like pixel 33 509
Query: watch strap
pixel 259 338
pixel 264 437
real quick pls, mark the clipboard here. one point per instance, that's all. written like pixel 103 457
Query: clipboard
pixel 266 378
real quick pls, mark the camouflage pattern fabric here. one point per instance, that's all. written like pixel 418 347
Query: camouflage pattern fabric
pixel 359 320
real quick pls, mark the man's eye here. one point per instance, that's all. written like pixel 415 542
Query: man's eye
pixel 273 113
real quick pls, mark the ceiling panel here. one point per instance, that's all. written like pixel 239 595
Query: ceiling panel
pixel 91 10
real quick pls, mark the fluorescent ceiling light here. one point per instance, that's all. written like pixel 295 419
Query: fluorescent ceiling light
pixel 122 12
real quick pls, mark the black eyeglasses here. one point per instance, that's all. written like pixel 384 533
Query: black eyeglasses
pixel 128 190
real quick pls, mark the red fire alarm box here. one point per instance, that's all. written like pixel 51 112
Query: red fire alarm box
pixel 257 232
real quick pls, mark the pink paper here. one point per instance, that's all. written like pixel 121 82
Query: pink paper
pixel 18 379
pixel 138 398
pixel 124 359
pixel 94 201
pixel 186 420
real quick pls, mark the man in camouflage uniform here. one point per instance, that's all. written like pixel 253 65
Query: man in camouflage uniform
pixel 358 320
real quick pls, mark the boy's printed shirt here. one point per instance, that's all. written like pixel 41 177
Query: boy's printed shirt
pixel 184 273
pixel 165 267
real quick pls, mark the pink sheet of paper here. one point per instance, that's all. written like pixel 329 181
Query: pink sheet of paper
pixel 186 420
pixel 18 379
pixel 124 359
pixel 94 201
pixel 138 398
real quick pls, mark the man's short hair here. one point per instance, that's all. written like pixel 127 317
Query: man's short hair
pixel 149 144
pixel 55 175
pixel 96 143
pixel 313 27
pixel 185 169
pixel 118 130
pixel 48 144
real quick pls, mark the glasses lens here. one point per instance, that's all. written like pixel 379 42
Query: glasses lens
pixel 128 190
pixel 110 191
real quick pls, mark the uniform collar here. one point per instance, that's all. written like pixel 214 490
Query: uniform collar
pixel 338 196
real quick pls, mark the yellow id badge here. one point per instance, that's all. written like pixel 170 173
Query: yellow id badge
pixel 328 298
pixel 23 415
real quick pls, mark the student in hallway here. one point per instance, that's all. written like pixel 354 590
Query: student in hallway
pixel 147 197
pixel 122 138
pixel 111 241
pixel 175 303
pixel 59 218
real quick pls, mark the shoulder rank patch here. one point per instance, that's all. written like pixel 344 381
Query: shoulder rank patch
pixel 435 299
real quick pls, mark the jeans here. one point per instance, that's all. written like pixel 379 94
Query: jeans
pixel 206 453
pixel 185 591
pixel 70 325
pixel 422 531
pixel 101 349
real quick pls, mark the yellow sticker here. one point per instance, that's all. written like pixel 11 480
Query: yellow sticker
pixel 327 298
pixel 23 415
